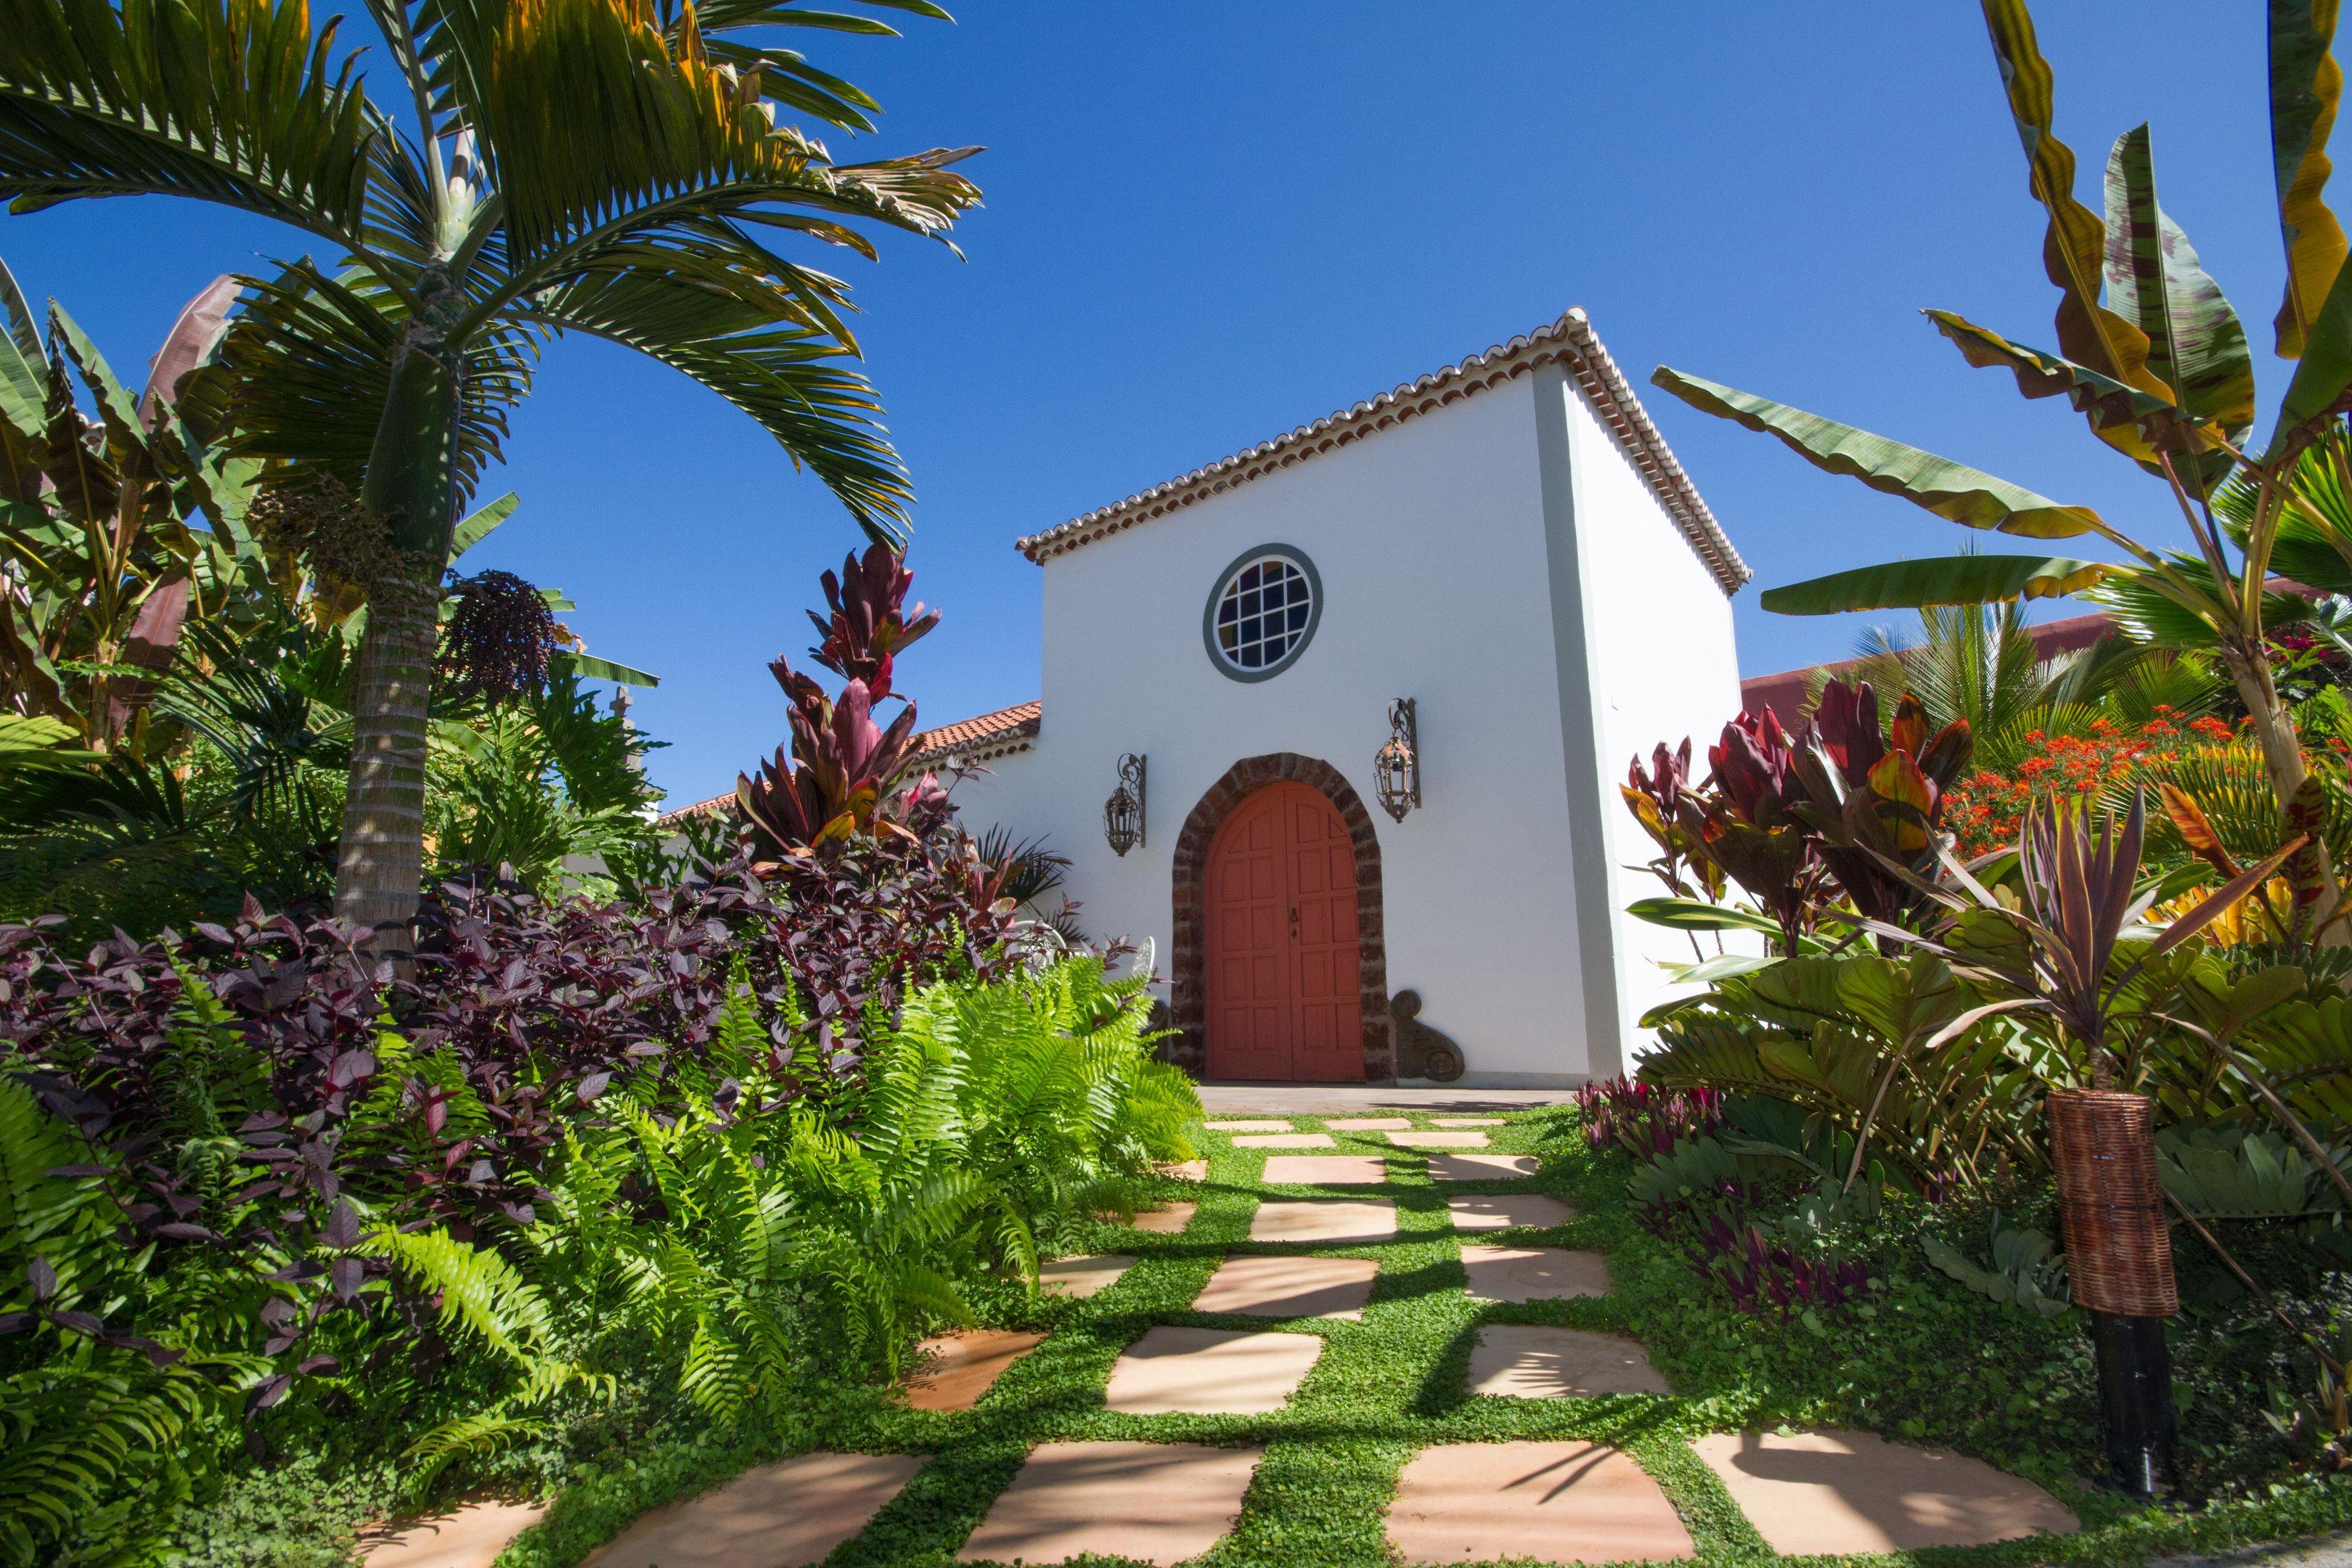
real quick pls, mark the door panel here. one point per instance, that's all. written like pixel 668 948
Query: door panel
pixel 1283 972
pixel 1328 976
pixel 1247 919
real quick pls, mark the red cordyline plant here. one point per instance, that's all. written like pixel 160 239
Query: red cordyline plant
pixel 1655 797
pixel 1747 822
pixel 837 777
pixel 1874 797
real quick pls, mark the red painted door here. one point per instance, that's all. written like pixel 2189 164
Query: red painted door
pixel 1281 916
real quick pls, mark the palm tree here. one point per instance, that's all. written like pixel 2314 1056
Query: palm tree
pixel 606 167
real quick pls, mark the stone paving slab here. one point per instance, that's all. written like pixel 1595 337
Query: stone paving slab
pixel 1837 1491
pixel 1507 1211
pixel 1438 1140
pixel 788 1515
pixel 1159 1502
pixel 1535 1360
pixel 1284 1140
pixel 1466 1122
pixel 961 1365
pixel 1328 1220
pixel 1185 1170
pixel 1533 1273
pixel 1555 1502
pixel 1328 1170
pixel 469 1537
pixel 1368 1123
pixel 1289 1287
pixel 1176 1370
pixel 1166 1221
pixel 1090 1275
pixel 1480 1167
pixel 1250 1125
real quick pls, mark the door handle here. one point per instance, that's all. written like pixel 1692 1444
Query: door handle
pixel 1294 922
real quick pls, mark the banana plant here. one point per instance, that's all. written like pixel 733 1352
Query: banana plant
pixel 2156 359
pixel 105 548
pixel 604 167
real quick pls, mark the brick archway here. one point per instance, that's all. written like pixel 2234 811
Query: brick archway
pixel 1187 975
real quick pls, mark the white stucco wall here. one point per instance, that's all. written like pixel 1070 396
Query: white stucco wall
pixel 1445 545
pixel 1664 666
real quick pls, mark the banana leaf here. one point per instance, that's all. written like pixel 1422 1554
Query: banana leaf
pixel 2196 345
pixel 2133 422
pixel 1953 580
pixel 1953 491
pixel 2074 247
pixel 2306 85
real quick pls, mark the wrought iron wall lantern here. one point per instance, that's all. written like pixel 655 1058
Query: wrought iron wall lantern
pixel 1123 811
pixel 1397 768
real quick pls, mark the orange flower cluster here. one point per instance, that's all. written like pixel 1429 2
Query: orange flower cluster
pixel 1983 810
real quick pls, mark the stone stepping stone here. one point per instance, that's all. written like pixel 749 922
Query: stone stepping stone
pixel 1479 1167
pixel 1327 1170
pixel 963 1364
pixel 1835 1491
pixel 1167 1221
pixel 1438 1140
pixel 778 1516
pixel 1367 1123
pixel 1466 1122
pixel 471 1537
pixel 1158 1502
pixel 1185 1170
pixel 1090 1275
pixel 1555 1502
pixel 1533 1273
pixel 1345 1220
pixel 1284 1140
pixel 1289 1287
pixel 1533 1361
pixel 1249 1126
pixel 1507 1211
pixel 1209 1372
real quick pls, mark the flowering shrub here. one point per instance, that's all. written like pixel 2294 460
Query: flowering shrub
pixel 1985 809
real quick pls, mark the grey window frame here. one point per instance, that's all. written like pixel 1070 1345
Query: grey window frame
pixel 1296 557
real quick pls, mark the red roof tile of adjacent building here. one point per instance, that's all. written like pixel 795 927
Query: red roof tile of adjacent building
pixel 1006 729
pixel 997 734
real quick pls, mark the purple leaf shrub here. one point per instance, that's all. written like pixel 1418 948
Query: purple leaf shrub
pixel 1643 1120
pixel 1760 1275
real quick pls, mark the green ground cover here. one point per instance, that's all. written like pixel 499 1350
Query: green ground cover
pixel 1394 1382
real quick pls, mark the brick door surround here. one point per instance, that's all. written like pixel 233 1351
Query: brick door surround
pixel 1188 967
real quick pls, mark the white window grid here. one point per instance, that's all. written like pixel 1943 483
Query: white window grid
pixel 1263 612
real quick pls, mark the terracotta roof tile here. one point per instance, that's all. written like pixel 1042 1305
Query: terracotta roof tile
pixel 997 734
pixel 1568 341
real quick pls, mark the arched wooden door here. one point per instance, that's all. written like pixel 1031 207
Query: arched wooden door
pixel 1284 999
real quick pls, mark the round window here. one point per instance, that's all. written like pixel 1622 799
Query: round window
pixel 1263 612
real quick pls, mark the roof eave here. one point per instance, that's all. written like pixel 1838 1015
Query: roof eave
pixel 1570 340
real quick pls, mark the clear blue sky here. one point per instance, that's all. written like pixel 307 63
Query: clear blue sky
pixel 1208 223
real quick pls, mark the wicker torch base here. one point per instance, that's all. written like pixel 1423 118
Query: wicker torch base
pixel 2118 1245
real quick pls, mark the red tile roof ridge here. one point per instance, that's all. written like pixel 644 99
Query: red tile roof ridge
pixel 1570 340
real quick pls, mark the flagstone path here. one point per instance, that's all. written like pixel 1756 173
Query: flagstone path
pixel 1406 1348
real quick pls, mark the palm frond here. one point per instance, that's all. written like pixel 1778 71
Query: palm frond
pixel 230 100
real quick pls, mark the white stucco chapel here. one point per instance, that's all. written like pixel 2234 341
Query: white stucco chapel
pixel 1500 566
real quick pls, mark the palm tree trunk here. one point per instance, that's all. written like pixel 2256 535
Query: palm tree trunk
pixel 408 501
pixel 379 874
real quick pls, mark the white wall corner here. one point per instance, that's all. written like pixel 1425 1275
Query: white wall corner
pixel 1574 625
